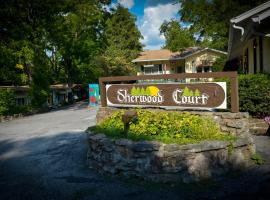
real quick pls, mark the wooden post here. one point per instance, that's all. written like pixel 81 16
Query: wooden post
pixel 103 93
pixel 234 94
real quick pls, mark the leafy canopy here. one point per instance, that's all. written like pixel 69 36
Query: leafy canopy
pixel 177 38
pixel 210 19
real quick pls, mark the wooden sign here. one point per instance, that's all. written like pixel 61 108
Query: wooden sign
pixel 193 95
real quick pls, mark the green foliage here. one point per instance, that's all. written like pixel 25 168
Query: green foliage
pixel 7 101
pixel 257 159
pixel 140 91
pixel 177 38
pixel 122 42
pixel 197 93
pixel 186 92
pixel 147 91
pixel 118 49
pixel 219 64
pixel 210 19
pixel 254 93
pixel 39 88
pixel 168 127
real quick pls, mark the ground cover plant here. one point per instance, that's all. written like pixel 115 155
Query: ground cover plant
pixel 167 127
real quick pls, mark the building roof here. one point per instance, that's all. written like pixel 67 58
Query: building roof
pixel 165 54
pixel 244 26
pixel 251 12
pixel 62 86
pixel 17 88
pixel 26 87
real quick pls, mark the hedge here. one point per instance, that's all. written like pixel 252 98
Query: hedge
pixel 254 94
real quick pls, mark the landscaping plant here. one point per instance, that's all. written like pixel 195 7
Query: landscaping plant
pixel 168 127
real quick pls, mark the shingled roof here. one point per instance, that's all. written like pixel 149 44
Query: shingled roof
pixel 165 54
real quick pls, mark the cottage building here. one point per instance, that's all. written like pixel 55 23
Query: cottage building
pixel 21 94
pixel 249 41
pixel 59 94
pixel 191 60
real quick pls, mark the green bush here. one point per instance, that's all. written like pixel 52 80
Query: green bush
pixel 7 101
pixel 254 93
pixel 168 127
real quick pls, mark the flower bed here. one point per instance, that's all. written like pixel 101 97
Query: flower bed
pixel 170 146
pixel 159 162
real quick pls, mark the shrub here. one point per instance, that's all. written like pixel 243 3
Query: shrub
pixel 7 101
pixel 254 94
pixel 167 127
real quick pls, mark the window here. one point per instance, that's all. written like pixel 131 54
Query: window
pixel 20 101
pixel 207 69
pixel 202 69
pixel 153 69
pixel 180 70
pixel 199 69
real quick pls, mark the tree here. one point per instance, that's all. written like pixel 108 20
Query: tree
pixel 219 64
pixel 39 90
pixel 77 36
pixel 133 91
pixel 210 20
pixel 177 38
pixel 122 42
pixel 186 92
pixel 197 93
pixel 7 101
pixel 147 91
pixel 138 91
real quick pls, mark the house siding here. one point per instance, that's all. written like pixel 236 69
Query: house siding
pixel 210 56
pixel 266 54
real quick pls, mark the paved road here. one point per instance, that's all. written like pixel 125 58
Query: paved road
pixel 44 157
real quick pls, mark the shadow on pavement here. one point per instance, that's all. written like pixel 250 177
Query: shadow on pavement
pixel 54 167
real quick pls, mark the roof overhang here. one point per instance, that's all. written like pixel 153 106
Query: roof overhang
pixel 250 13
pixel 184 57
pixel 244 26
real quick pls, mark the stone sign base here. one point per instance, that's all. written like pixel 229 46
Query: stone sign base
pixel 160 162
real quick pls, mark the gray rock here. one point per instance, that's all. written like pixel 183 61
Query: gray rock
pixel 237 124
pixel 143 146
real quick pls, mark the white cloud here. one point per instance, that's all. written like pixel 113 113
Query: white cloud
pixel 126 3
pixel 153 17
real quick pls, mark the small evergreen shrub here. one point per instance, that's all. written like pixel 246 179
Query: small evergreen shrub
pixel 168 127
pixel 254 93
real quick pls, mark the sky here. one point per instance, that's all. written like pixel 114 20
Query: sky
pixel 150 15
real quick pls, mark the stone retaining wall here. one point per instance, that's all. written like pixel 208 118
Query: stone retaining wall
pixel 232 123
pixel 160 162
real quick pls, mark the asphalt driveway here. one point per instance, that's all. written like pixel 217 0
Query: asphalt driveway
pixel 44 157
